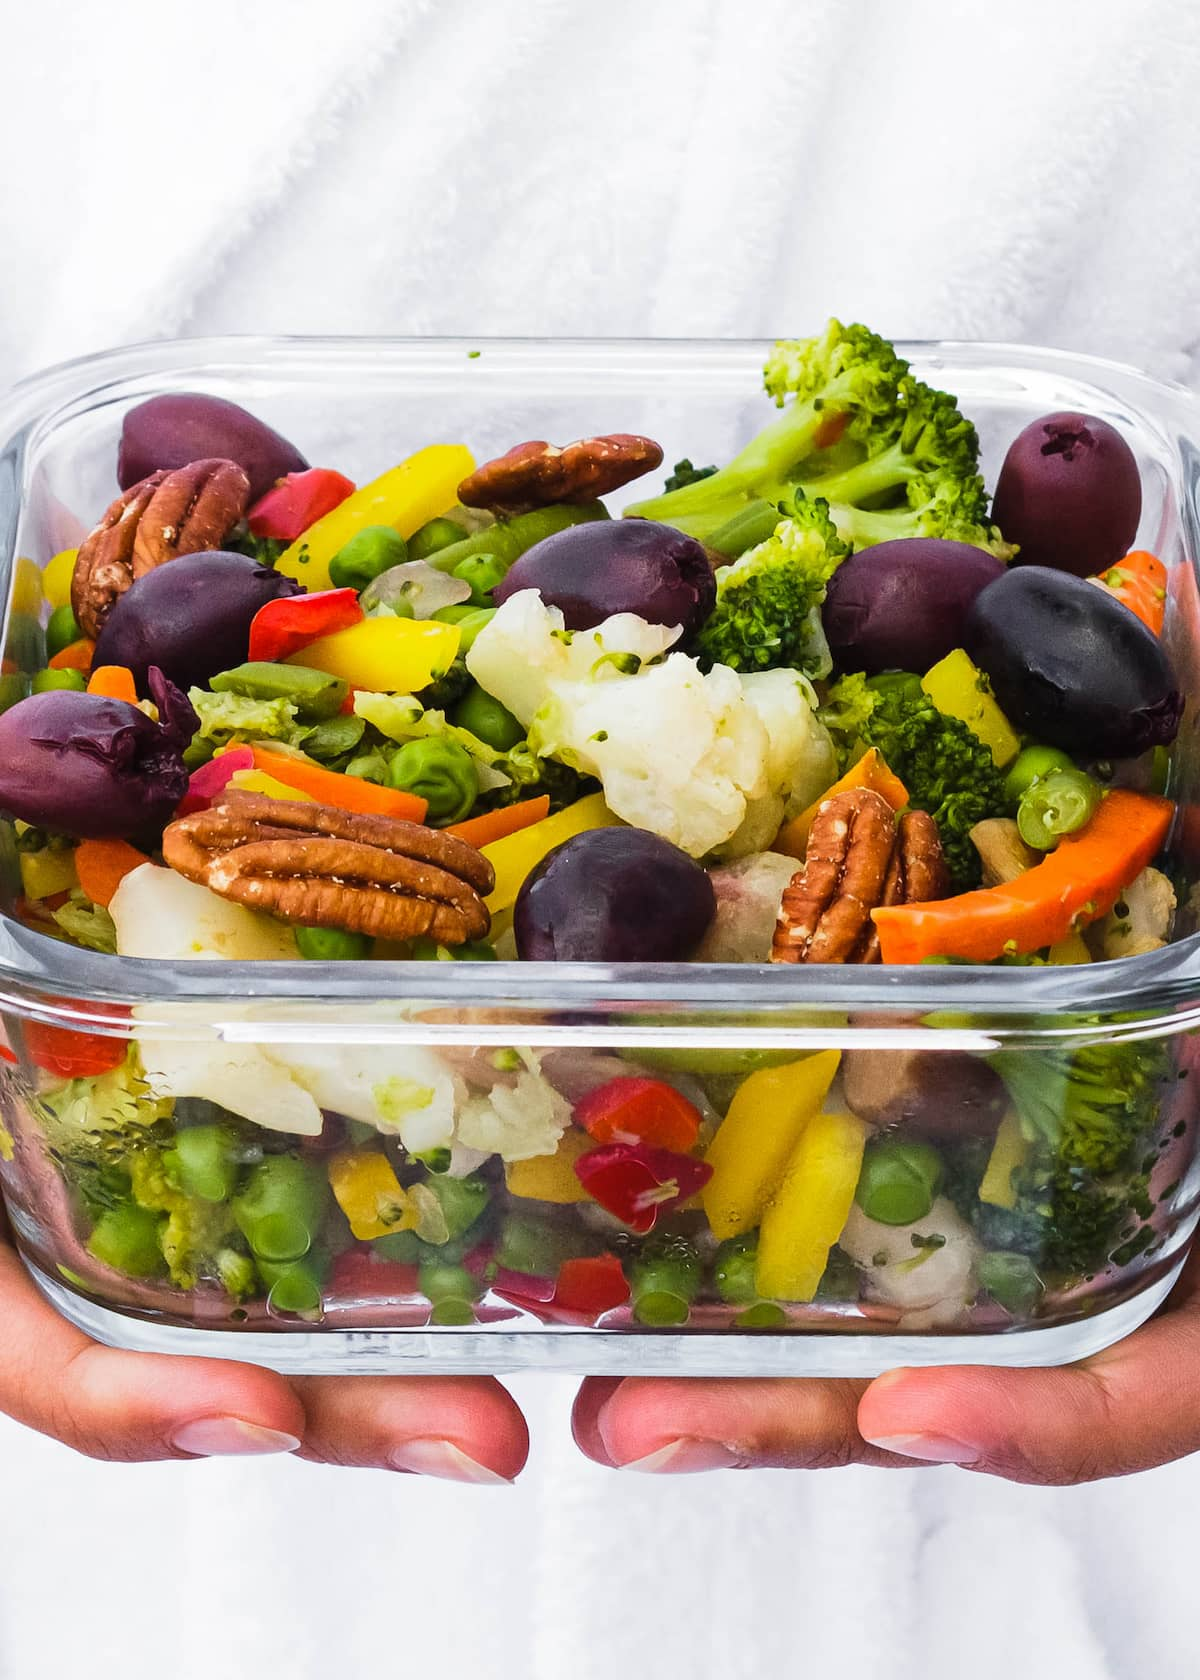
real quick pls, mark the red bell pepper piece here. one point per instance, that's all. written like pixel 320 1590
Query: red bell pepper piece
pixel 359 1275
pixel 286 625
pixel 629 1109
pixel 635 1182
pixel 592 1285
pixel 295 502
pixel 211 780
pixel 73 1054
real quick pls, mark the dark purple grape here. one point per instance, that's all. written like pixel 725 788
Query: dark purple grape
pixel 589 572
pixel 183 426
pixel 85 765
pixel 900 606
pixel 1072 666
pixel 1069 494
pixel 613 895
pixel 190 616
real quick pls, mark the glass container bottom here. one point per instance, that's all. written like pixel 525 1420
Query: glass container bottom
pixel 485 1350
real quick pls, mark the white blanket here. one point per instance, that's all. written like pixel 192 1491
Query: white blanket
pixel 1024 171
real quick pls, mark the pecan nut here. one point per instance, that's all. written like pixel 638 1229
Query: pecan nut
pixel 858 858
pixel 318 866
pixel 538 474
pixel 183 511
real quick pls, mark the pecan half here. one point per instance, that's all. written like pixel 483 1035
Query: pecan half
pixel 537 474
pixel 170 513
pixel 322 867
pixel 858 858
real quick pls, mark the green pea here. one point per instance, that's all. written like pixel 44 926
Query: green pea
pixel 484 716
pixel 62 630
pixel 483 572
pixel 331 944
pixel 898 1181
pixel 374 549
pixel 280 1207
pixel 45 682
pixel 1010 1279
pixel 1030 764
pixel 14 687
pixel 435 534
pixel 205 1162
pixel 1054 805
pixel 126 1237
pixel 439 771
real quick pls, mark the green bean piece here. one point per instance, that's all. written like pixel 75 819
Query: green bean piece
pixel 733 1269
pixel 462 1200
pixel 46 682
pixel 425 949
pixel 456 613
pixel 451 1292
pixel 441 772
pixel 484 716
pixel 293 1286
pixel 748 527
pixel 314 694
pixel 14 687
pixel 279 1208
pixel 374 549
pixel 62 630
pixel 470 624
pixel 763 1315
pixel 127 1238
pixel 898 1181
pixel 1056 804
pixel 508 539
pixel 1010 1279
pixel 435 535
pixel 664 1280
pixel 538 1246
pixel 334 737
pixel 1030 764
pixel 331 944
pixel 205 1162
pixel 483 572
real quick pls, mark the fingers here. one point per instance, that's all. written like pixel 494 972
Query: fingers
pixel 1130 1408
pixel 460 1429
pixel 129 1406
pixel 687 1424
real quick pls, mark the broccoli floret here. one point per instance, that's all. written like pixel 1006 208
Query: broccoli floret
pixel 946 768
pixel 199 1239
pixel 530 775
pixel 686 473
pixel 858 429
pixel 768 611
pixel 448 689
pixel 1065 1220
pixel 266 550
pixel 1092 1106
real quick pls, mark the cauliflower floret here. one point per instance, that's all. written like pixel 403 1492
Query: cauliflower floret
pixel 399 1089
pixel 927 1269
pixel 516 1121
pixel 526 648
pixel 801 761
pixel 678 752
pixel 158 913
pixel 239 1077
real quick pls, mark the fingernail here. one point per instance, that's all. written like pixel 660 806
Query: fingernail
pixel 216 1437
pixel 934 1449
pixel 444 1459
pixel 685 1456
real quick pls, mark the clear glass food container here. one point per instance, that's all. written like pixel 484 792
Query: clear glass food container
pixel 519 1269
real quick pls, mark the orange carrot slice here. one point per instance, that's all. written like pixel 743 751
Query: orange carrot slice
pixel 328 787
pixel 114 682
pixel 497 825
pixel 102 865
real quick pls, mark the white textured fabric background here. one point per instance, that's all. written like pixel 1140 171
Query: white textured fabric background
pixel 1025 171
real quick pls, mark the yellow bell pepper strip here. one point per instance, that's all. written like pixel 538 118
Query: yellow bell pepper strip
pixel 1077 882
pixel 56 579
pixel 809 1211
pixel 551 1178
pixel 1008 1153
pixel 386 655
pixel 369 1193
pixel 871 771
pixel 257 781
pixel 518 855
pixel 329 787
pixel 47 872
pixel 405 497
pixel 1072 949
pixel 1139 582
pixel 758 1135
pixel 959 688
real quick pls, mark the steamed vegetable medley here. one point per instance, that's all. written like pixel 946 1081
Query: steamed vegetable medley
pixel 814 704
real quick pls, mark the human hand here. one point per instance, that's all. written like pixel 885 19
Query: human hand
pixel 133 1406
pixel 1134 1406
